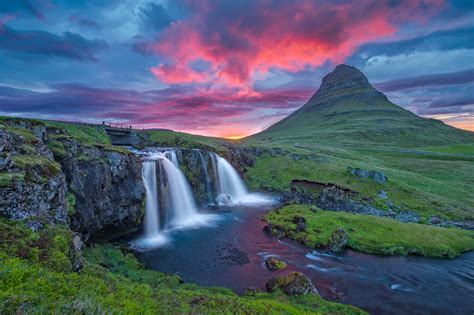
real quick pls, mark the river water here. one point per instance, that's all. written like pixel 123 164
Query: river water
pixel 231 254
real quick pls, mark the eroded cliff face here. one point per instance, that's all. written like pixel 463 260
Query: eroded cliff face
pixel 32 186
pixel 107 188
pixel 47 176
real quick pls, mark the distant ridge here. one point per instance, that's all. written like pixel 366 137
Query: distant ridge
pixel 347 109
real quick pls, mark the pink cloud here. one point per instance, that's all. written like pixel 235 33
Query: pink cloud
pixel 245 41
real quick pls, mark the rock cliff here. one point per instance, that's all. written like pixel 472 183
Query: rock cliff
pixel 48 175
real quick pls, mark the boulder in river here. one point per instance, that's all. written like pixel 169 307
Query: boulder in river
pixel 293 284
pixel 223 200
pixel 274 263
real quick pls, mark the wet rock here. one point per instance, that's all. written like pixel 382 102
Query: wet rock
pixel 274 263
pixel 229 254
pixel 338 240
pixel 293 284
pixel 274 230
pixel 223 199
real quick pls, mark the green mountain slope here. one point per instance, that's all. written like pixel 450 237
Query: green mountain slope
pixel 348 110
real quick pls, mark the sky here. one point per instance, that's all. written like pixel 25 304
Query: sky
pixel 228 68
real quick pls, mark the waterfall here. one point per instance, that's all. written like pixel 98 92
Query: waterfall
pixel 152 225
pixel 231 188
pixel 230 182
pixel 171 155
pixel 182 205
pixel 173 196
pixel 207 178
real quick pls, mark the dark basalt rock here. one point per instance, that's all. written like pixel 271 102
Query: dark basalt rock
pixel 298 219
pixel 36 192
pixel 107 186
pixel 274 230
pixel 376 176
pixel 338 240
pixel 293 284
pixel 229 254
pixel 300 227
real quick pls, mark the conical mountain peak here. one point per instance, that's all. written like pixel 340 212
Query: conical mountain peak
pixel 343 77
pixel 347 109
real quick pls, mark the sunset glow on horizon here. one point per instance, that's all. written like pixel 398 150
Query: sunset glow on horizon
pixel 229 68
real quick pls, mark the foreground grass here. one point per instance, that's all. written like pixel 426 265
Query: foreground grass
pixel 372 234
pixel 36 278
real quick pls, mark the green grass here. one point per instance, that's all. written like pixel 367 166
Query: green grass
pixel 6 179
pixel 168 138
pixel 420 181
pixel 84 134
pixel 371 234
pixel 36 278
pixel 454 149
pixel 70 203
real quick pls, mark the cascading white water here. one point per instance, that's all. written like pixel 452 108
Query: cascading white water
pixel 230 182
pixel 181 201
pixel 171 155
pixel 152 224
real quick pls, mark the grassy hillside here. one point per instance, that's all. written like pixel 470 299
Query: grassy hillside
pixel 429 183
pixel 347 123
pixel 372 234
pixel 184 140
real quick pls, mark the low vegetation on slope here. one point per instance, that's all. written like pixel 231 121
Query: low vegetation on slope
pixel 348 123
pixel 36 277
pixel 368 233
pixel 168 138
pixel 423 181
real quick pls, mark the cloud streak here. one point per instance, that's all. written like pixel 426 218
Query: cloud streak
pixel 436 79
pixel 219 113
pixel 41 43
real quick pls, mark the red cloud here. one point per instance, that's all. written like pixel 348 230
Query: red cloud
pixel 241 41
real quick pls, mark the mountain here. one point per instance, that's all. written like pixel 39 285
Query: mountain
pixel 348 110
